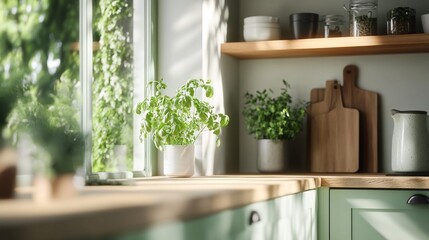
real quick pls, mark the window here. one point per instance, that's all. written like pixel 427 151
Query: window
pixel 81 64
pixel 39 71
pixel 117 54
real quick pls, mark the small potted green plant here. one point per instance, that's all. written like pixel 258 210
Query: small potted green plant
pixel 273 121
pixel 51 122
pixel 174 123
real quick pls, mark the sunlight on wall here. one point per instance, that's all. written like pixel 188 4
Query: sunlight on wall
pixel 179 38
pixel 190 34
pixel 215 17
pixel 189 28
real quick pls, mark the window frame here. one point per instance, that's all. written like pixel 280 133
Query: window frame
pixel 147 66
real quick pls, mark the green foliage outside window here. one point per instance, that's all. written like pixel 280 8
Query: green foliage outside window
pixel 40 72
pixel 112 87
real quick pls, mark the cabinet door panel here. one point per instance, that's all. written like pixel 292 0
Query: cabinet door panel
pixel 377 214
pixel 390 224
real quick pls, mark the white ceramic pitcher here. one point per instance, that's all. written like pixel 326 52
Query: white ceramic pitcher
pixel 410 141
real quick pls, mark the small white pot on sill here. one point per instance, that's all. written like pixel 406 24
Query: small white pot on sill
pixel 179 160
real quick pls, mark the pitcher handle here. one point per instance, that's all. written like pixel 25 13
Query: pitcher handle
pixel 394 111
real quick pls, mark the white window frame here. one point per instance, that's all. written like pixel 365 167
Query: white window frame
pixel 145 59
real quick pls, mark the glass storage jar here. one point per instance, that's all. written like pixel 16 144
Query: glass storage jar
pixel 363 17
pixel 333 26
pixel 401 20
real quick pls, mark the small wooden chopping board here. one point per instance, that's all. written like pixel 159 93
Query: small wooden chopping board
pixel 321 106
pixel 317 105
pixel 334 142
pixel 317 95
pixel 366 102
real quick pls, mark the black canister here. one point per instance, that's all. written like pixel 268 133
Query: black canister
pixel 304 25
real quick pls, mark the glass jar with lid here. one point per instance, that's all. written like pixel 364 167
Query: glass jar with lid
pixel 333 26
pixel 363 17
pixel 401 20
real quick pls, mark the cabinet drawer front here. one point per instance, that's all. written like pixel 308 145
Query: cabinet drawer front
pixel 231 224
pixel 377 214
pixel 284 218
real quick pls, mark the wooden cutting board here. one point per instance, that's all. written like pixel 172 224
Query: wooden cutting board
pixel 317 95
pixel 366 102
pixel 320 106
pixel 334 143
pixel 317 105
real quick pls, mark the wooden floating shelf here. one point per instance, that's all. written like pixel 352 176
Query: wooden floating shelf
pixel 340 46
pixel 75 46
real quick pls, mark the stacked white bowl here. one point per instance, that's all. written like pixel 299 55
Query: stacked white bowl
pixel 261 28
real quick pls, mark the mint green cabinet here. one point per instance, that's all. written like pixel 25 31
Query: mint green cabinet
pixel 284 218
pixel 365 214
pixel 297 216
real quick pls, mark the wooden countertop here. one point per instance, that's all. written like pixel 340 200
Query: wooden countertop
pixel 375 181
pixel 102 210
pixel 99 210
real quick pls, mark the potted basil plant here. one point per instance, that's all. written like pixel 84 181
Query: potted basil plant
pixel 174 123
pixel 273 121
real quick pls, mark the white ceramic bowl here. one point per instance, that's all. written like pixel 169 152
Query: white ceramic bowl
pixel 425 22
pixel 257 25
pixel 261 34
pixel 261 19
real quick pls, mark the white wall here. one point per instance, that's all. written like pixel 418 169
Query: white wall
pixel 402 80
pixel 180 45
pixel 220 22
pixel 190 33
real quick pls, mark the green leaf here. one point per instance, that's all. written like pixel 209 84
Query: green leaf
pixel 209 91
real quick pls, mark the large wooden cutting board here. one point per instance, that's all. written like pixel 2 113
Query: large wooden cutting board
pixel 366 102
pixel 334 143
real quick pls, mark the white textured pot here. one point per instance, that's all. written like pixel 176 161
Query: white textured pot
pixel 272 155
pixel 179 160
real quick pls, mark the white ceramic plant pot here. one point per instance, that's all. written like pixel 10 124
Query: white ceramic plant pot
pixel 179 160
